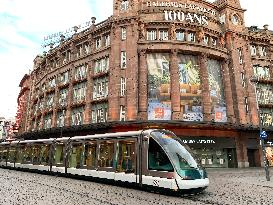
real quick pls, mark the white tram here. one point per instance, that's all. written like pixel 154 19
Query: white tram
pixel 149 158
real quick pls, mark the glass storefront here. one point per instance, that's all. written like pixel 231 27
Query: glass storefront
pixel 159 90
pixel 216 91
pixel 269 152
pixel 213 152
pixel 190 88
pixel 191 102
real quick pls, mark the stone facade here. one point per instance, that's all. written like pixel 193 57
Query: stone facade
pixel 101 74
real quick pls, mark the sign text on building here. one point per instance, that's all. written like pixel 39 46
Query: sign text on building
pixel 192 7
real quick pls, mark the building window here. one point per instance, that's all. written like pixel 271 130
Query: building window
pixel 206 40
pixel 124 5
pixel 80 72
pixel 64 78
pixel 266 117
pixel 191 36
pixel 79 92
pixel 41 104
pixel 50 101
pixel 122 86
pixel 235 19
pixel 98 43
pixel 262 51
pixel 63 97
pixel 240 54
pixel 52 83
pixel 107 40
pixel 123 59
pixel 86 48
pixel 264 94
pixel 123 33
pixel 66 57
pixel 180 35
pixel 163 35
pixel 101 65
pixel 77 116
pixel 122 113
pixel 61 118
pixel 151 35
pixel 243 79
pixel 213 41
pixel 99 113
pixel 79 51
pixel 246 105
pixel 47 121
pixel 100 88
pixel 253 50
pixel 261 72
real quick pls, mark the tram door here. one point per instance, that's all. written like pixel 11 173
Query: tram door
pixel 126 156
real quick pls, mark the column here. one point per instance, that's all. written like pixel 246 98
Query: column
pixel 88 94
pixel 241 151
pixel 204 77
pixel 175 86
pixel 143 85
pixel 55 107
pixel 67 120
pixel 228 91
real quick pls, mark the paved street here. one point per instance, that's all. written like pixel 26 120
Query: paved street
pixel 228 186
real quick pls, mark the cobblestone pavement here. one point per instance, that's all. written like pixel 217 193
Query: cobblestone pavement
pixel 227 186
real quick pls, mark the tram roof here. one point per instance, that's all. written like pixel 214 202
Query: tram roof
pixel 95 136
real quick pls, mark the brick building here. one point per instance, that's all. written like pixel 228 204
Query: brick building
pixel 188 66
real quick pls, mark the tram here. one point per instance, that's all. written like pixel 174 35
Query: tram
pixel 152 158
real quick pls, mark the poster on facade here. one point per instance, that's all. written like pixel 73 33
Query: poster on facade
pixel 220 114
pixel 190 88
pixel 159 90
pixel 216 91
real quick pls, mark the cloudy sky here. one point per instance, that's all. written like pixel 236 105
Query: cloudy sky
pixel 25 23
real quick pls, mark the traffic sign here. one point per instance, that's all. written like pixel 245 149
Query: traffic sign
pixel 263 135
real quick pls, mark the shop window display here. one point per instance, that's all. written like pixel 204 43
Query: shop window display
pixel 269 156
pixel 190 88
pixel 216 91
pixel 159 92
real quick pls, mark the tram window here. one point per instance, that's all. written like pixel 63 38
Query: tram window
pixel 11 154
pixel 126 156
pixel 45 154
pixel 28 154
pixel 59 154
pixel 90 154
pixel 36 154
pixel 106 154
pixel 75 156
pixel 157 158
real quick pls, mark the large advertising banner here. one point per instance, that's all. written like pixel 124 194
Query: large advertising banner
pixel 159 90
pixel 190 88
pixel 217 91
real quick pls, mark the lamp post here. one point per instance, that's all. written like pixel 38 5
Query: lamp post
pixel 262 134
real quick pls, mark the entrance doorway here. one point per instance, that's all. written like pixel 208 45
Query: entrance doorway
pixel 232 158
pixel 253 157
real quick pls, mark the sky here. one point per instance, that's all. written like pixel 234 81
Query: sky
pixel 25 23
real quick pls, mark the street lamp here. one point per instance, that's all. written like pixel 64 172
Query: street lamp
pixel 262 134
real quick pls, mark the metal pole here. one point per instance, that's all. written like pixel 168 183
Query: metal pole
pixel 261 139
pixel 263 147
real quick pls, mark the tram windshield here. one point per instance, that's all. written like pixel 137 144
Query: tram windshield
pixel 178 152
